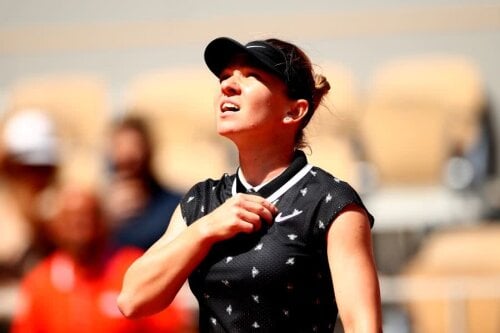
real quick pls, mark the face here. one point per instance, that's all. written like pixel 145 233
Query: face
pixel 251 103
pixel 78 222
pixel 128 153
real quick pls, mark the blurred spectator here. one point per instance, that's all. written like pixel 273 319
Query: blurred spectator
pixel 75 288
pixel 139 206
pixel 29 162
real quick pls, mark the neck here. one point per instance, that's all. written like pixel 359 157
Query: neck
pixel 261 164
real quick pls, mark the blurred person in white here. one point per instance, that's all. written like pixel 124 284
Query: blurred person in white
pixel 138 204
pixel 29 162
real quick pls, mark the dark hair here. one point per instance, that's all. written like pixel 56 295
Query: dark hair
pixel 139 125
pixel 135 123
pixel 306 84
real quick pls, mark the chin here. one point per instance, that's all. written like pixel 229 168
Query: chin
pixel 225 130
pixel 227 135
pixel 230 134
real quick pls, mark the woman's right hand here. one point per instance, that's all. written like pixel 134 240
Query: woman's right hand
pixel 152 281
pixel 243 213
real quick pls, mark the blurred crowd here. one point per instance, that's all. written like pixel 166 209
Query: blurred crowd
pixel 82 196
pixel 65 245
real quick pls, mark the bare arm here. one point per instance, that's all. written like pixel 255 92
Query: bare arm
pixel 354 273
pixel 153 280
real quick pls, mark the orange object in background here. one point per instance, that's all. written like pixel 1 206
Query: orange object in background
pixel 59 297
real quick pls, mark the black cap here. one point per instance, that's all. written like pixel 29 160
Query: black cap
pixel 300 82
pixel 221 51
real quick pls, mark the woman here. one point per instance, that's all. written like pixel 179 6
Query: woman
pixel 280 246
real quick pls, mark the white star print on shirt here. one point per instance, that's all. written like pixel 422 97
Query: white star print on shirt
pixel 259 247
pixel 229 309
pixel 303 191
pixel 290 261
pixel 255 271
pixel 292 236
pixel 328 198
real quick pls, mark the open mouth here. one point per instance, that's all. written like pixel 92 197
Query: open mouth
pixel 230 107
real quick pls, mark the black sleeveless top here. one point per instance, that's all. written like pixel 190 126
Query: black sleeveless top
pixel 277 279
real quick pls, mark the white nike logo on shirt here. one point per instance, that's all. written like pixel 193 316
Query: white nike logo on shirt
pixel 279 218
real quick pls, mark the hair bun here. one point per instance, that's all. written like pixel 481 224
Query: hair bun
pixel 321 88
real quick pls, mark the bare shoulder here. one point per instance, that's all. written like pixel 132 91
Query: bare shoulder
pixel 350 229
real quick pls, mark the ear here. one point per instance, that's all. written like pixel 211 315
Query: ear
pixel 298 109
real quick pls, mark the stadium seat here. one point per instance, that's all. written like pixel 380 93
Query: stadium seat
pixel 454 281
pixel 420 111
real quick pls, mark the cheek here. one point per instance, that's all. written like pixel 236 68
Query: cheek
pixel 271 111
pixel 262 104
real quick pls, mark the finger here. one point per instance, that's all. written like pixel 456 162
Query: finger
pixel 260 208
pixel 252 197
pixel 261 201
pixel 249 221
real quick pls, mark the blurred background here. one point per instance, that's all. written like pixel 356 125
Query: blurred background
pixel 412 122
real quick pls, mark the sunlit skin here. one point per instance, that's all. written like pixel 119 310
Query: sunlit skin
pixel 259 109
pixel 265 120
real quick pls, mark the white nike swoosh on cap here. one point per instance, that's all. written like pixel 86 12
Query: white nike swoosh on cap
pixel 279 218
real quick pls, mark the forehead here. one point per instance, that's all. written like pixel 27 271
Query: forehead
pixel 244 60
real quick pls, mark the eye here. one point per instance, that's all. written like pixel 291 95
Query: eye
pixel 255 75
pixel 223 76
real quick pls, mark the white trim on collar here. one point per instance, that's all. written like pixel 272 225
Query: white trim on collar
pixel 247 185
pixel 279 192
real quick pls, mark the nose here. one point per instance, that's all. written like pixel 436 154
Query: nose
pixel 230 85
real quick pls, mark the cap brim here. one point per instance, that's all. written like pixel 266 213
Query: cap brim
pixel 221 51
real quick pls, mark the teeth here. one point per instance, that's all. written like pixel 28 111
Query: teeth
pixel 229 107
